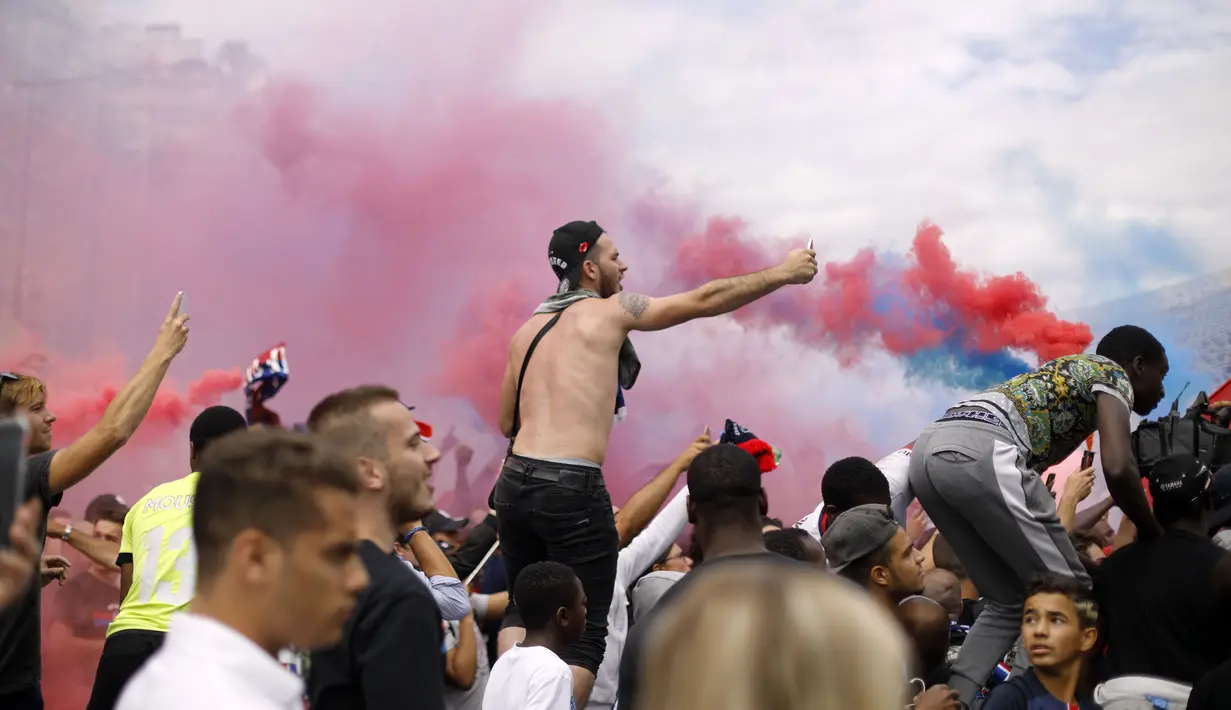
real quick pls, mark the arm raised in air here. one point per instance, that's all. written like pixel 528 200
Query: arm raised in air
pixel 638 312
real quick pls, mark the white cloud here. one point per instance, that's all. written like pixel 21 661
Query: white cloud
pixel 849 120
pixel 853 120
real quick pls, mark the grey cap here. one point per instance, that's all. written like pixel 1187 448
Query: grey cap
pixel 857 533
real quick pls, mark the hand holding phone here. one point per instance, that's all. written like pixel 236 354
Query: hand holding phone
pixel 800 266
pixel 1087 459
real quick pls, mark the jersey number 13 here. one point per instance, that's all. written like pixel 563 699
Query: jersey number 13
pixel 181 545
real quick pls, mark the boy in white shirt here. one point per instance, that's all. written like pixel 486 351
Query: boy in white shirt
pixel 531 676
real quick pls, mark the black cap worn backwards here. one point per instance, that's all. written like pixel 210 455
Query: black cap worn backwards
pixel 568 248
pixel 441 522
pixel 857 533
pixel 1179 478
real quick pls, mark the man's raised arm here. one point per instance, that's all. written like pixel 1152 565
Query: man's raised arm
pixel 638 312
pixel 80 458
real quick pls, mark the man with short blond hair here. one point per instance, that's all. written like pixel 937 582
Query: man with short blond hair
pixel 50 472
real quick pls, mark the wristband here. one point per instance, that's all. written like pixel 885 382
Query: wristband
pixel 406 538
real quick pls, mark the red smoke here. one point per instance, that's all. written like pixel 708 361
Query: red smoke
pixel 403 242
pixel 474 361
pixel 171 409
pixel 866 302
pixel 1001 311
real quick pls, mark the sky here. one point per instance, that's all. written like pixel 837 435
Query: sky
pixel 1079 143
pixel 1033 132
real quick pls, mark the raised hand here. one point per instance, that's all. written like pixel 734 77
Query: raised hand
pixel 174 332
pixel 1080 484
pixel 464 455
pixel 449 443
pixel 799 267
pixel 701 443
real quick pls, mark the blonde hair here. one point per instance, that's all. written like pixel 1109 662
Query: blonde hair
pixel 21 392
pixel 773 637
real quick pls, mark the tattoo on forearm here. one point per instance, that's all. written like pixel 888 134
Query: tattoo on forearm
pixel 634 304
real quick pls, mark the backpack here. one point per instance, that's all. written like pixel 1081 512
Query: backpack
pixel 1200 432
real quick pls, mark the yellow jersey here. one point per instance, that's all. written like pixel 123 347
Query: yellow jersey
pixel 157 541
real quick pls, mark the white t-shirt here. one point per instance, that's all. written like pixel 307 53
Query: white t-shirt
pixel 472 698
pixel 529 678
pixel 204 665
pixel 896 467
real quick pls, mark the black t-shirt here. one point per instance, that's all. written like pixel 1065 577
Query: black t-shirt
pixel 971 608
pixel 20 643
pixel 630 661
pixel 87 605
pixel 1212 692
pixel 392 649
pixel 1167 603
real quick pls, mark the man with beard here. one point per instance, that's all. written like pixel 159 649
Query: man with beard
pixel 563 387
pixel 394 639
pixel 868 547
pixel 976 471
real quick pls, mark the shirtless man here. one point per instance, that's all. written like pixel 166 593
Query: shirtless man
pixel 558 403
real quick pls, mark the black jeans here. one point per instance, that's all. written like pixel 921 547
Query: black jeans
pixel 562 513
pixel 124 652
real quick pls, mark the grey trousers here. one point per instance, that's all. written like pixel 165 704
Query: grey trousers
pixel 1001 521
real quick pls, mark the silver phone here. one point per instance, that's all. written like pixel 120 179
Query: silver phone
pixel 14 435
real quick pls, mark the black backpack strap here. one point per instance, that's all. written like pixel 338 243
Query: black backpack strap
pixel 522 377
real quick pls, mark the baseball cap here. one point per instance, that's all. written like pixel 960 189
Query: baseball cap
pixel 1179 478
pixel 425 429
pixel 857 533
pixel 441 522
pixel 104 502
pixel 568 248
pixel 1220 487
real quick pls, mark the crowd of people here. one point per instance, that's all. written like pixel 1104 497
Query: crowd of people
pixel 313 569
